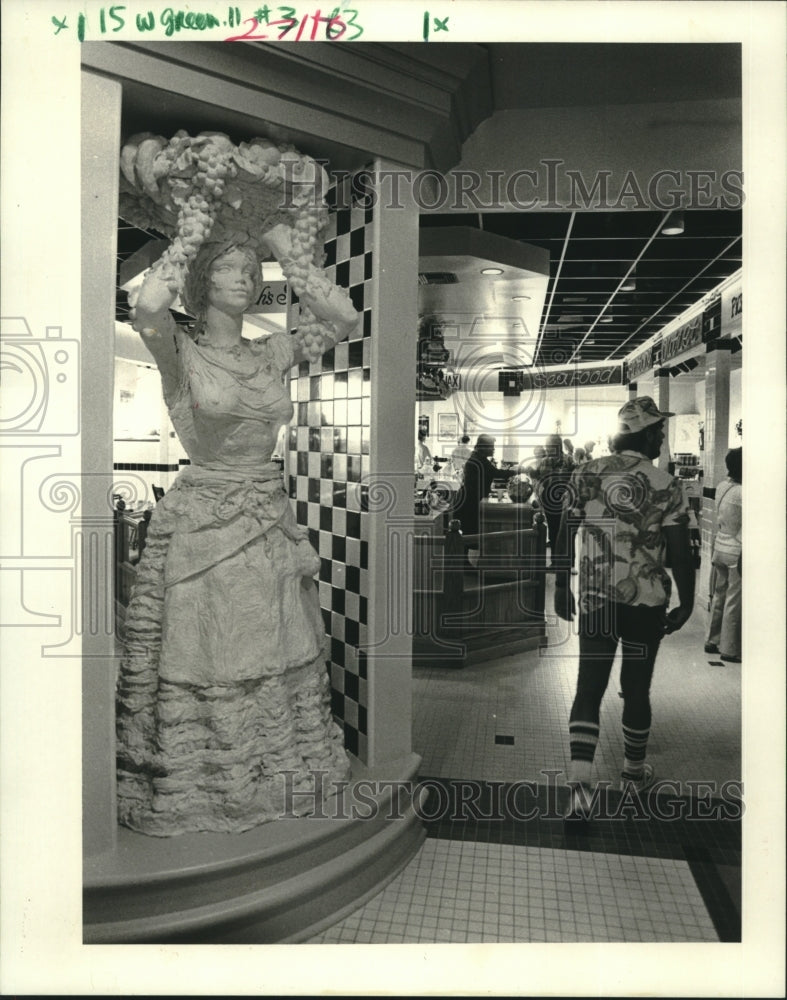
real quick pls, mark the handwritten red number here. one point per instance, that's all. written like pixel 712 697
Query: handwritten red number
pixel 335 26
pixel 249 36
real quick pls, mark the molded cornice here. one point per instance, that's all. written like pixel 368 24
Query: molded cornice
pixel 350 102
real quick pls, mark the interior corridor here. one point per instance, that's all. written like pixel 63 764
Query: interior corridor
pixel 499 865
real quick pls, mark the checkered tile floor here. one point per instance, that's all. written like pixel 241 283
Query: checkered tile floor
pixel 464 892
pixel 670 875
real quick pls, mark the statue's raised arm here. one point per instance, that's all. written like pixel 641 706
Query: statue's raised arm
pixel 327 314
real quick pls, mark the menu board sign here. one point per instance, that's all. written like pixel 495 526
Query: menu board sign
pixel 640 363
pixel 680 340
pixel 732 311
pixel 560 378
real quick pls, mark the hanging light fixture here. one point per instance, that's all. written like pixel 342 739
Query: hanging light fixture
pixel 630 282
pixel 675 224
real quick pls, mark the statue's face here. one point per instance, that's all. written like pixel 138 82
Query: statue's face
pixel 231 282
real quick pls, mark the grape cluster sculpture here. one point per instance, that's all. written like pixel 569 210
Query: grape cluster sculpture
pixel 195 188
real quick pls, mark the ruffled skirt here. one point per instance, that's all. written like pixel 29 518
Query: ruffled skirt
pixel 223 707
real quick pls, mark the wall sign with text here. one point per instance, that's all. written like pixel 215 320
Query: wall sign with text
pixel 685 337
pixel 561 378
pixel 273 298
pixel 732 311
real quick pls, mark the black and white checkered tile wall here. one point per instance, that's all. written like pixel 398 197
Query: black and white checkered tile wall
pixel 328 465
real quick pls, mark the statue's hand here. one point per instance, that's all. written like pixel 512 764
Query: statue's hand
pixel 154 298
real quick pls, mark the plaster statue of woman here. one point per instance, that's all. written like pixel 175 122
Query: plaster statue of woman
pixel 223 688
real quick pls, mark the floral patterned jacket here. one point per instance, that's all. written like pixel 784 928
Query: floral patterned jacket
pixel 622 502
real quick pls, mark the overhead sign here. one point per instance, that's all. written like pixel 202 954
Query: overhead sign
pixel 576 377
pixel 732 311
pixel 682 339
pixel 640 363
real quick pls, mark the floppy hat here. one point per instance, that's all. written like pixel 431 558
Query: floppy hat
pixel 638 414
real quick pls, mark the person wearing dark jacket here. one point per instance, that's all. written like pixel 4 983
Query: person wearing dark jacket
pixel 480 473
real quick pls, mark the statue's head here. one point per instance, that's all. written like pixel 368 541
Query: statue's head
pixel 196 288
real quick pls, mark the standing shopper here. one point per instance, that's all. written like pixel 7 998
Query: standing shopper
pixel 423 457
pixel 724 634
pixel 480 473
pixel 633 521
pixel 460 454
pixel 553 475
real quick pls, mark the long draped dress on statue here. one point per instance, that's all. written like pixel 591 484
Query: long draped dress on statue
pixel 223 699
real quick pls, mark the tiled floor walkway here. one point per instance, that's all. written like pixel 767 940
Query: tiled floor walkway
pixel 665 870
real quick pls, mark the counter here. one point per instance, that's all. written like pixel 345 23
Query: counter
pixel 465 613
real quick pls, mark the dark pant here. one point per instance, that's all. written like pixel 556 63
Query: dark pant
pixel 640 630
pixel 553 524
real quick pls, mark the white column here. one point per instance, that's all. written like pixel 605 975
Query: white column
pixel 717 415
pixel 717 412
pixel 101 100
pixel 391 484
pixel 661 379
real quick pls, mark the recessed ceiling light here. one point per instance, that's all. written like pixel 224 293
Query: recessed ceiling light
pixel 491 270
pixel 520 298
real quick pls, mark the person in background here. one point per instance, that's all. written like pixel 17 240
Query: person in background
pixel 568 450
pixel 724 633
pixel 589 446
pixel 633 521
pixel 552 477
pixel 460 454
pixel 480 473
pixel 423 455
pixel 579 456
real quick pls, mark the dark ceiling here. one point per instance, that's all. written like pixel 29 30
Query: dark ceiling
pixel 590 252
pixel 579 74
pixel 587 316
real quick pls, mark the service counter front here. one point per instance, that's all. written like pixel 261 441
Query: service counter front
pixel 470 612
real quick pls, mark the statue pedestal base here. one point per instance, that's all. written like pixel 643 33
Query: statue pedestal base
pixel 281 882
